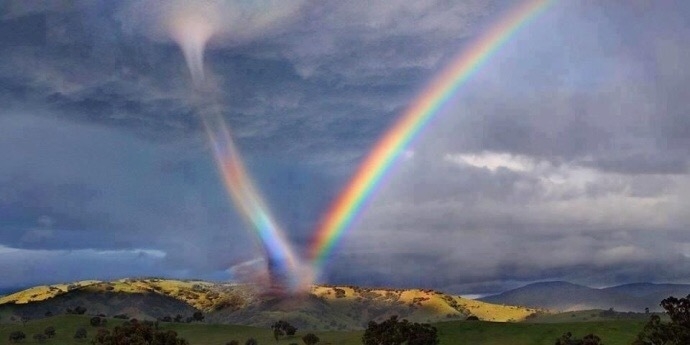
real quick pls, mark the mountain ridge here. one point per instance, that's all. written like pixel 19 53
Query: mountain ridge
pixel 565 296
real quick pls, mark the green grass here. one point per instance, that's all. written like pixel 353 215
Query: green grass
pixel 618 332
pixel 591 316
pixel 621 332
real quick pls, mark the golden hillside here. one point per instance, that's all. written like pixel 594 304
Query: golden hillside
pixel 323 307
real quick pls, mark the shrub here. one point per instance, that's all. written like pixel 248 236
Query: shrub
pixel 17 336
pixel 49 331
pixel 589 339
pixel 80 334
pixel 251 341
pixel 40 338
pixel 95 321
pixel 310 339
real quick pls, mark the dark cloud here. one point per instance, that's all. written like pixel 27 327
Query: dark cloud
pixel 564 157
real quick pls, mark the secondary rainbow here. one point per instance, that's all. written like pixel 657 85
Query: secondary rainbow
pixel 353 197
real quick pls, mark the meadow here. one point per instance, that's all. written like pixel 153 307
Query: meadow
pixel 614 332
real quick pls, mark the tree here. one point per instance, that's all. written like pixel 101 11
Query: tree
pixel 80 334
pixel 79 310
pixel 310 339
pixel 251 341
pixel 675 332
pixel 49 332
pixel 140 333
pixel 40 337
pixel 589 339
pixel 198 316
pixel 277 333
pixel 281 328
pixel 17 336
pixel 396 332
pixel 95 321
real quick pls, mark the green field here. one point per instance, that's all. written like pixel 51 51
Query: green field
pixel 618 332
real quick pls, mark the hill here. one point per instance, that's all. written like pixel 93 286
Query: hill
pixel 565 296
pixel 322 307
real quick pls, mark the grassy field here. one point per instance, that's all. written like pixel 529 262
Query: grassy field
pixel 618 332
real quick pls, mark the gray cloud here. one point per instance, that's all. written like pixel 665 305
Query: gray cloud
pixel 565 157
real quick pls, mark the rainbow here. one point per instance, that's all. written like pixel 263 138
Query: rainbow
pixel 369 174
pixel 245 196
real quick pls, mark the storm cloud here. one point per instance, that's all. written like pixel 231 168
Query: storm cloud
pixel 564 157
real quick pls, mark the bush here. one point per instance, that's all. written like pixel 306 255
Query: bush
pixel 310 339
pixel 95 321
pixel 80 334
pixel 472 318
pixel 40 338
pixel 198 316
pixel 589 339
pixel 251 341
pixel 17 336
pixel 49 331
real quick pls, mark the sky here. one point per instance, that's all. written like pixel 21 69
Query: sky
pixel 565 157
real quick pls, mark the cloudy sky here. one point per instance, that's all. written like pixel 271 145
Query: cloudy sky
pixel 564 158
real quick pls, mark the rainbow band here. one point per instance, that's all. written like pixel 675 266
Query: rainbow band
pixel 247 199
pixel 352 199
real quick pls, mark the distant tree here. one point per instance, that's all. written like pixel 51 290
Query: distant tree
pixel 95 321
pixel 677 331
pixel 166 319
pixel 80 334
pixel 310 339
pixel 178 318
pixel 49 331
pixel 79 310
pixel 140 333
pixel 472 318
pixel 281 328
pixel 277 333
pixel 396 332
pixel 40 338
pixel 198 316
pixel 251 341
pixel 17 336
pixel 589 339
pixel 48 313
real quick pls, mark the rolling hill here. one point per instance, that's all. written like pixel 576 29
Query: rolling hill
pixel 322 307
pixel 566 296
